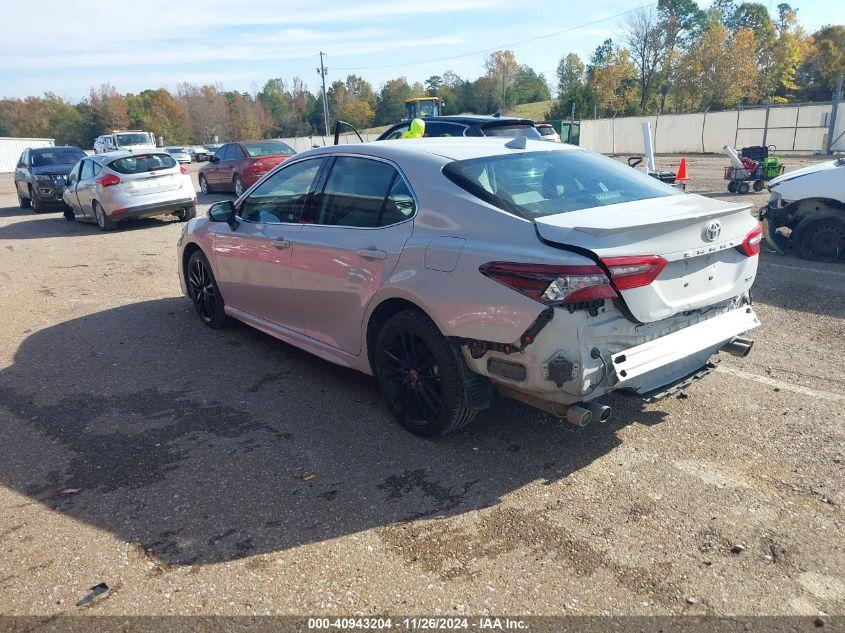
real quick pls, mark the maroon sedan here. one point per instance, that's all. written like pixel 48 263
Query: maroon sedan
pixel 237 166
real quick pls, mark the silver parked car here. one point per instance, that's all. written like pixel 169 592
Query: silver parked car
pixel 108 188
pixel 181 154
pixel 450 267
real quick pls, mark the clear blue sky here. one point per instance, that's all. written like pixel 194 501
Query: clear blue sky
pixel 66 48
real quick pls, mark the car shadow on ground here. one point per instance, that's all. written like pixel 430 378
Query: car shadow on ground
pixel 201 446
pixel 791 283
pixel 45 225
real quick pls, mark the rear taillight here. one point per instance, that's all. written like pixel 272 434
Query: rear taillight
pixel 109 180
pixel 633 272
pixel 183 169
pixel 551 284
pixel 751 244
pixel 263 165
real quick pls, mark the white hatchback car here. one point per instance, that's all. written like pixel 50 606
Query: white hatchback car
pixel 450 267
pixel 109 188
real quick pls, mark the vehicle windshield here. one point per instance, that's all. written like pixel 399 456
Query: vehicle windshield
pixel 511 130
pixel 545 130
pixel 178 150
pixel 68 156
pixel 140 163
pixel 140 138
pixel 267 148
pixel 536 184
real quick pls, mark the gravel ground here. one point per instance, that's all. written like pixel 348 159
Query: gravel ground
pixel 223 472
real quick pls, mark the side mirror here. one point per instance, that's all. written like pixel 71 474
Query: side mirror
pixel 223 212
pixel 215 159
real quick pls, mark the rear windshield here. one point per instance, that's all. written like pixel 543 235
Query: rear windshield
pixel 180 150
pixel 545 130
pixel 142 162
pixel 267 148
pixel 133 139
pixel 535 184
pixel 511 131
pixel 43 158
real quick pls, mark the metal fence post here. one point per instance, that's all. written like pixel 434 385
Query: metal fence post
pixel 766 124
pixel 837 97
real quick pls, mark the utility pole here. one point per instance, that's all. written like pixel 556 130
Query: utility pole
pixel 322 70
pixel 837 97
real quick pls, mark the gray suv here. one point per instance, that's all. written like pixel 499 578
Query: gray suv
pixel 41 176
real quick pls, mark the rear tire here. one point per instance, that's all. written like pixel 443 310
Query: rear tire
pixel 204 293
pixel 186 214
pixel 103 221
pixel 743 188
pixel 820 237
pixel 238 185
pixel 68 214
pixel 420 375
pixel 204 185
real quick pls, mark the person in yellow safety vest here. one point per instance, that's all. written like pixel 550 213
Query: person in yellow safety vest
pixel 417 129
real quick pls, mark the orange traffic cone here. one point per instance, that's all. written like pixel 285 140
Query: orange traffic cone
pixel 682 171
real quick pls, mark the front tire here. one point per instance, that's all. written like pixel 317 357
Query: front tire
pixel 239 187
pixel 23 203
pixel 33 200
pixel 204 293
pixel 103 221
pixel 68 214
pixel 420 375
pixel 821 237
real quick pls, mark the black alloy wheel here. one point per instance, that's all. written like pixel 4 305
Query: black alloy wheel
pixel 204 293
pixel 421 376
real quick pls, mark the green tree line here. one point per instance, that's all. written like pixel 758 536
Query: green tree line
pixel 281 108
pixel 677 57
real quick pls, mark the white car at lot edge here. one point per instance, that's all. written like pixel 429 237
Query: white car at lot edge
pixel 448 268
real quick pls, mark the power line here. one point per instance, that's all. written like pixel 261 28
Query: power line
pixel 495 48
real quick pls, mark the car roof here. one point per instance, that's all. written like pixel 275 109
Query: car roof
pixel 471 119
pixel 449 148
pixel 48 149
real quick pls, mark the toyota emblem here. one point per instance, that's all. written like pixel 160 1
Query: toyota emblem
pixel 712 231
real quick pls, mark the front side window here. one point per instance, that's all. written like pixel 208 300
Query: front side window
pixel 398 132
pixel 355 193
pixel 536 184
pixel 282 196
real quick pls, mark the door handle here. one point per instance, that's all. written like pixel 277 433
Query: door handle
pixel 281 243
pixel 371 253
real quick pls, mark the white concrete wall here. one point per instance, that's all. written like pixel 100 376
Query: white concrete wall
pixel 302 143
pixel 12 148
pixel 791 128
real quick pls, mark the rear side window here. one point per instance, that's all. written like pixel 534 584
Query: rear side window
pixel 536 184
pixel 364 193
pixel 87 170
pixel 142 162
pixel 439 128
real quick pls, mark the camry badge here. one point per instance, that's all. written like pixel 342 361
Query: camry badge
pixel 712 231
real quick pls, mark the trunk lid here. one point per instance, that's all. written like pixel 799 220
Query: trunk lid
pixel 697 236
pixel 152 182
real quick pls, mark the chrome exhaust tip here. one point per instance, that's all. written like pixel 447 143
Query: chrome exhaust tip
pixel 578 415
pixel 738 346
pixel 599 412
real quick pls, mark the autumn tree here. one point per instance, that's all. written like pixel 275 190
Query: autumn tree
pixel 645 37
pixel 206 109
pixel 390 102
pixel 615 82
pixel 108 109
pixel 502 68
pixel 352 101
pixel 720 70
pixel 157 111
pixel 824 63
